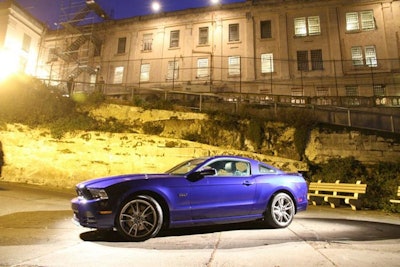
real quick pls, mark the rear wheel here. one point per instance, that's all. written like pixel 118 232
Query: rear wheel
pixel 281 211
pixel 140 218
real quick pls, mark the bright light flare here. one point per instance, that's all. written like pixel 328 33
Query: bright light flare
pixel 9 64
pixel 214 2
pixel 156 6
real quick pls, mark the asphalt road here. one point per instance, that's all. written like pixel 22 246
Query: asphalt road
pixel 36 230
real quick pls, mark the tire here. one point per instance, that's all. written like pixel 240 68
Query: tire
pixel 280 211
pixel 139 218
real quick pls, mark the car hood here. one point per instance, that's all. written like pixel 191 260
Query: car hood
pixel 108 181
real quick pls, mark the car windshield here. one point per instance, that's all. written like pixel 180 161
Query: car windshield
pixel 186 166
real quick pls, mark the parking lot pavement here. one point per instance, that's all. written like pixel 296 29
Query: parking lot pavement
pixel 36 230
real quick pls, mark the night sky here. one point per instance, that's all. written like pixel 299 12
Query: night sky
pixel 48 10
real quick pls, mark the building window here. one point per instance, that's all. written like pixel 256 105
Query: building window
pixel 173 70
pixel 266 31
pixel 233 65
pixel 233 32
pixel 26 43
pixel 379 90
pixel 202 68
pixel 118 74
pixel 300 27
pixel 52 55
pixel 366 18
pixel 316 60
pixel 322 91
pixel 370 56
pixel 145 72
pixel 352 21
pixel 351 90
pixel 297 92
pixel 147 42
pixel 314 27
pixel 121 45
pixel 307 26
pixel 357 56
pixel 302 60
pixel 267 63
pixel 174 39
pixel 203 35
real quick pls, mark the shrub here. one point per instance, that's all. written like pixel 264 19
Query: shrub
pixel 383 180
pixel 153 128
pixel 347 170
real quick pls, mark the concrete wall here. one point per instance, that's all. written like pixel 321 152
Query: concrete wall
pixel 367 148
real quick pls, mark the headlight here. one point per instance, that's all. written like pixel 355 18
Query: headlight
pixel 98 193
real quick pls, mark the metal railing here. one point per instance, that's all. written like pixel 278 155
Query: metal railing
pixel 381 113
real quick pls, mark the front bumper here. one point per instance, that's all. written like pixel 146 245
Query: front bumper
pixel 94 213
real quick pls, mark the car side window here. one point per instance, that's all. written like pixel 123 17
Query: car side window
pixel 265 169
pixel 231 168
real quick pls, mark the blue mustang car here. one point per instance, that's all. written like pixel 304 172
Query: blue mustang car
pixel 201 191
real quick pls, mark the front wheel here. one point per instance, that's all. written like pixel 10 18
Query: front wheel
pixel 281 211
pixel 139 218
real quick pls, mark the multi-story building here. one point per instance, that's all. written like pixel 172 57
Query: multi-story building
pixel 20 37
pixel 269 47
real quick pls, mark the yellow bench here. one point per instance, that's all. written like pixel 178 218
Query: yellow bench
pixel 334 192
pixel 398 194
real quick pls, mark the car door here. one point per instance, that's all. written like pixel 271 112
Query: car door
pixel 226 194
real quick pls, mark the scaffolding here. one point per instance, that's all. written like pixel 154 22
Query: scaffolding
pixel 77 42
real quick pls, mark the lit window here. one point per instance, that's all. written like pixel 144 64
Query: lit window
pixel 147 42
pixel 121 45
pixel 370 56
pixel 203 35
pixel 233 32
pixel 145 72
pixel 302 60
pixel 300 26
pixel 234 66
pixel 202 67
pixel 174 39
pixel 265 27
pixel 357 56
pixel 316 60
pixel 267 63
pixel 352 21
pixel 173 70
pixel 366 18
pixel 307 26
pixel 118 74
pixel 313 25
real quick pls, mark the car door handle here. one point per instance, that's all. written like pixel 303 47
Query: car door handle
pixel 247 183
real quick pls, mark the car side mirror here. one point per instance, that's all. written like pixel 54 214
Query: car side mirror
pixel 195 176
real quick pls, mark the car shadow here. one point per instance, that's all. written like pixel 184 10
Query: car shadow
pixel 113 236
pixel 302 229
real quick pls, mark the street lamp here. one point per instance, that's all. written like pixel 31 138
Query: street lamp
pixel 156 6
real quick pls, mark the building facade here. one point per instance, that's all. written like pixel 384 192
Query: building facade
pixel 20 39
pixel 295 48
